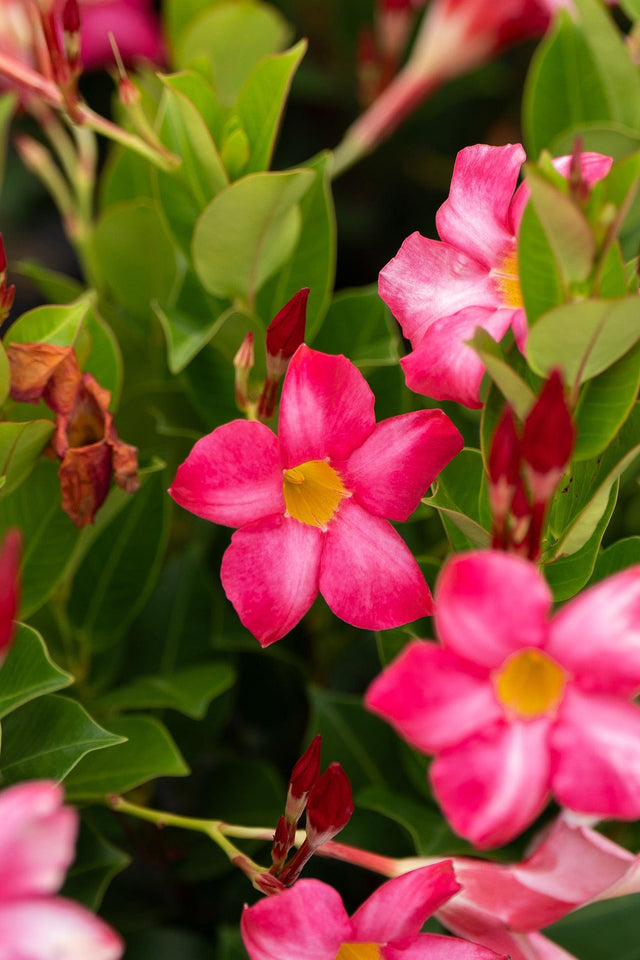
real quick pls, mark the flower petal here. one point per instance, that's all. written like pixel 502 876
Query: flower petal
pixel 306 922
pixel 400 906
pixel 326 408
pixel 43 928
pixel 433 698
pixel 428 280
pixel 393 468
pixel 597 635
pixel 444 366
pixel 430 946
pixel 596 755
pixel 232 476
pixel 270 574
pixel 490 604
pixel 37 839
pixel 368 575
pixel 135 28
pixel 492 786
pixel 475 217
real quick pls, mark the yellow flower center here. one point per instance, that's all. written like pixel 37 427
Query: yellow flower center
pixel 359 951
pixel 312 493
pixel 530 683
pixel 508 280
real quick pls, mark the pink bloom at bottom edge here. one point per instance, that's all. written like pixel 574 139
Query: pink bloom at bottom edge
pixel 309 922
pixel 37 841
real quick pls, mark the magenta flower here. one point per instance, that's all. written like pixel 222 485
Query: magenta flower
pixel 311 502
pixel 309 922
pixel 37 840
pixel 134 25
pixel 517 704
pixel 441 290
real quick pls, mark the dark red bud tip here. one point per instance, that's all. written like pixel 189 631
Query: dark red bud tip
pixel 9 588
pixel 3 256
pixel 71 17
pixel 306 770
pixel 281 844
pixel 549 434
pixel 285 333
pixel 504 454
pixel 330 805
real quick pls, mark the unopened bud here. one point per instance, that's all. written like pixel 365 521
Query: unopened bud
pixel 71 35
pixel 282 843
pixel 303 778
pixel 548 439
pixel 330 805
pixel 394 20
pixel 285 333
pixel 243 363
pixel 9 588
pixel 7 294
pixel 260 879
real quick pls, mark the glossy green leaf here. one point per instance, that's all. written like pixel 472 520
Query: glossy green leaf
pixel 202 95
pixel 262 100
pixel 458 489
pixel 583 339
pixel 185 132
pixel 248 231
pixel 231 38
pixel 120 567
pixel 59 325
pixel 28 672
pixel 47 737
pixel 20 446
pixel 104 359
pixel 568 232
pixel 190 690
pixel 95 865
pixel 619 556
pixel 540 280
pixel 511 385
pixel 187 335
pixel 605 403
pixel 360 325
pixel 149 752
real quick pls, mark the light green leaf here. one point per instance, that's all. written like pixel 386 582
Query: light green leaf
pixel 605 403
pixel 631 8
pixel 149 752
pixel 59 325
pixel 190 690
pixel 8 103
pixel 20 446
pixel 104 360
pixel 248 231
pixel 28 672
pixel 540 280
pixel 56 287
pixel 5 375
pixel 186 335
pixel 185 132
pixel 511 385
pixel 47 737
pixel 568 232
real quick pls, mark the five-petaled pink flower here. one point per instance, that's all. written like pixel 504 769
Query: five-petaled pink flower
pixel 311 502
pixel 309 921
pixel 37 840
pixel 517 704
pixel 441 290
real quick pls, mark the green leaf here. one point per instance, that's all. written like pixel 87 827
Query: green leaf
pixel 631 8
pixel 149 752
pixel 47 737
pixel 619 556
pixel 104 360
pixel 567 229
pixel 458 490
pixel 56 287
pixel 8 103
pixel 5 375
pixel 187 335
pixel 564 86
pixel 607 929
pixel 360 325
pixel 605 403
pixel 190 690
pixel 511 385
pixel 165 943
pixel 20 446
pixel 262 100
pixel 28 672
pixel 540 280
pixel 184 131
pixel 231 38
pixel 583 339
pixel 248 231
pixel 429 831
pixel 120 567
pixel 126 176
pixel 59 325
pixel 135 255
pixel 96 863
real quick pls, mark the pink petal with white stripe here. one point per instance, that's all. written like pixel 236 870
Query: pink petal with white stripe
pixel 490 604
pixel 395 465
pixel 596 755
pixel 37 839
pixel 398 909
pixel 270 574
pixel 475 217
pixel 306 922
pixel 597 635
pixel 495 783
pixel 368 575
pixel 232 476
pixel 433 698
pixel 326 409
pixel 47 928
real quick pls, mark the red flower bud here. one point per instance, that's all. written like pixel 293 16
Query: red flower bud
pixel 303 777
pixel 281 845
pixel 9 588
pixel 243 363
pixel 329 807
pixel 285 333
pixel 548 438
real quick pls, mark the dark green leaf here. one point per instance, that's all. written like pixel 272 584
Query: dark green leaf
pixel 28 671
pixel 96 864
pixel 619 556
pixel 189 690
pixel 458 490
pixel 20 446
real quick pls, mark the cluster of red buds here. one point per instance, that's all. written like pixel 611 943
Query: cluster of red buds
pixel 525 466
pixel 284 335
pixel 58 48
pixel 328 803
pixel 381 47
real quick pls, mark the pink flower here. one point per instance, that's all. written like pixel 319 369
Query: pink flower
pixel 309 922
pixel 310 503
pixel 9 589
pixel 441 290
pixel 517 704
pixel 134 25
pixel 37 839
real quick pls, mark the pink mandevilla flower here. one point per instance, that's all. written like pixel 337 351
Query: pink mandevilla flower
pixel 516 704
pixel 310 502
pixel 37 839
pixel 441 290
pixel 309 922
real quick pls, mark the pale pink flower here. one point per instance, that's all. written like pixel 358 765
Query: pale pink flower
pixel 37 840
pixel 309 922
pixel 517 704
pixel 311 502
pixel 441 290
